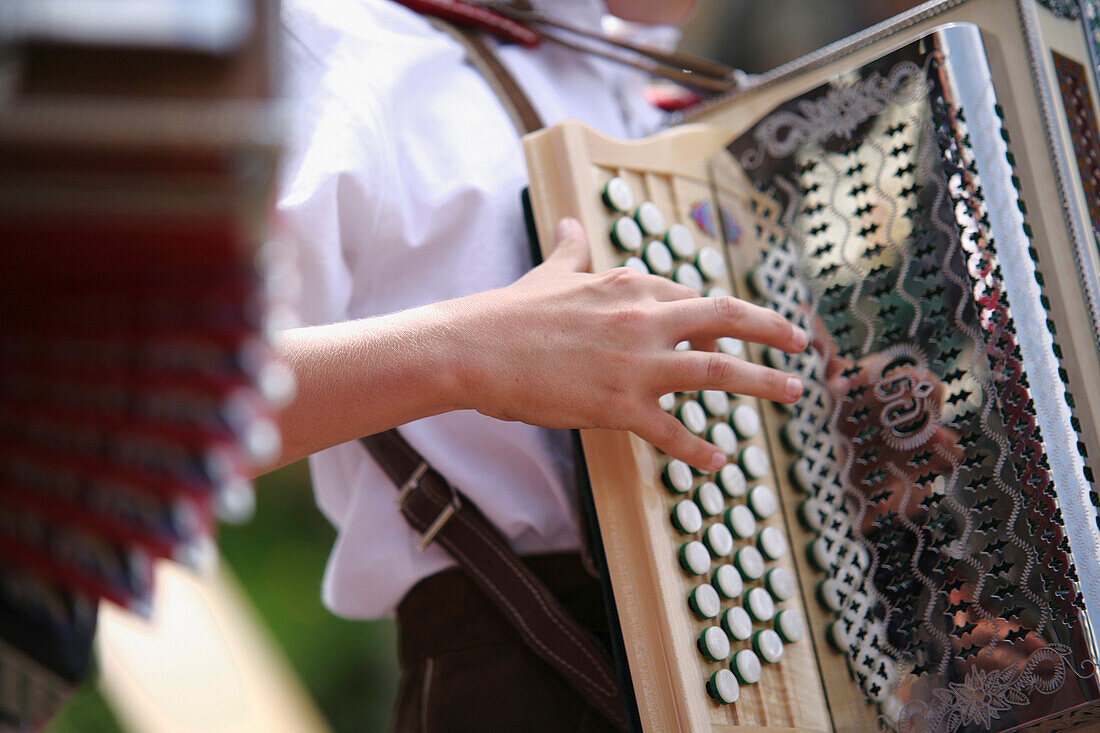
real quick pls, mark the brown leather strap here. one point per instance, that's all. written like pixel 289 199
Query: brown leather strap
pixel 508 91
pixel 443 515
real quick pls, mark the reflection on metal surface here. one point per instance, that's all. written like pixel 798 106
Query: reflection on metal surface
pixel 939 505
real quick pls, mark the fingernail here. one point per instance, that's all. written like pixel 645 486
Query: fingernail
pixel 801 338
pixel 567 227
pixel 794 388
pixel 717 461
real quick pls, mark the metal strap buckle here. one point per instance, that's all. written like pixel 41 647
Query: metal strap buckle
pixel 411 482
pixel 440 521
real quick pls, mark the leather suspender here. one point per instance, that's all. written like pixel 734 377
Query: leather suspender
pixel 442 514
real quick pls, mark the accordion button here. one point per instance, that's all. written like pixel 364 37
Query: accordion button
pixel 686 517
pixel 710 263
pixel 688 274
pixel 830 593
pixel 749 561
pixel 679 240
pixel 636 263
pixel 717 291
pixel 704 601
pixel 811 513
pixel 838 636
pixel 732 480
pixel 740 521
pixel 658 258
pixel 693 417
pixel 790 626
pixel 758 602
pixel 650 218
pixel 718 540
pixel 722 435
pixel 714 644
pixel 754 462
pixel 709 498
pixel 695 558
pixel 667 401
pixel 730 345
pixel 763 502
pixel 801 476
pixel 768 645
pixel 737 623
pixel 728 581
pixel 723 687
pixel 715 402
pixel 792 436
pixel 781 584
pixel 678 476
pixel 617 195
pixel 746 665
pixel 626 235
pixel 820 554
pixel 771 543
pixel 746 421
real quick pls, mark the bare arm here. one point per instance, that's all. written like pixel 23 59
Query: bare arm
pixel 559 348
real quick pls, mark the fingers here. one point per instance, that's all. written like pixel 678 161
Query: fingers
pixel 571 252
pixel 669 435
pixel 691 370
pixel 709 318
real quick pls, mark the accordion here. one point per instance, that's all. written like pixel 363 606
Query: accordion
pixel 913 545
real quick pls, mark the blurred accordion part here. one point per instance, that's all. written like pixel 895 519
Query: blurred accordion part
pixel 138 144
pixel 914 545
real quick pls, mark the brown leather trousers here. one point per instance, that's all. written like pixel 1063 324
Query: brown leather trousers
pixel 464 668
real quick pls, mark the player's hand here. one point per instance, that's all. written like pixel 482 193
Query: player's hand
pixel 564 348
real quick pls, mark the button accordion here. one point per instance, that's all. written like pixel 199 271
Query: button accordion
pixel 913 545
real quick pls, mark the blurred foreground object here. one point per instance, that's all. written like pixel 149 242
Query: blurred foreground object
pixel 201 664
pixel 136 388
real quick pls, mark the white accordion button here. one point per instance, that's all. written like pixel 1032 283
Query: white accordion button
pixel 759 604
pixel 820 554
pixel 723 687
pixel 688 274
pixel 746 665
pixel 693 417
pixel 722 435
pixel 749 561
pixel 709 498
pixel 636 263
pixel 768 645
pixel 658 258
pixel 617 195
pixel 801 476
pixel 829 594
pixel 763 502
pixel 650 218
pixel 771 543
pixel 678 476
pixel 679 240
pixel 737 623
pixel 730 345
pixel 790 626
pixel 718 540
pixel 686 517
pixel 754 461
pixel 626 235
pixel 811 513
pixel 741 521
pixel 746 421
pixel 695 558
pixel 715 402
pixel 732 480
pixel 704 601
pixel 714 644
pixel 728 581
pixel 667 401
pixel 716 291
pixel 710 263
pixel 781 584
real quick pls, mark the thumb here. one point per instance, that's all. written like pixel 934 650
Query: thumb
pixel 571 252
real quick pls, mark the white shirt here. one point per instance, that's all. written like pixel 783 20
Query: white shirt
pixel 401 186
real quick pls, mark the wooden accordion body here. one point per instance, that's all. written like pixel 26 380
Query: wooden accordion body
pixel 925 198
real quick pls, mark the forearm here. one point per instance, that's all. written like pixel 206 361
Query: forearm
pixel 365 376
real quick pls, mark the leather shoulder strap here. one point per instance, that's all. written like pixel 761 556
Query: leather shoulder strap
pixel 524 116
